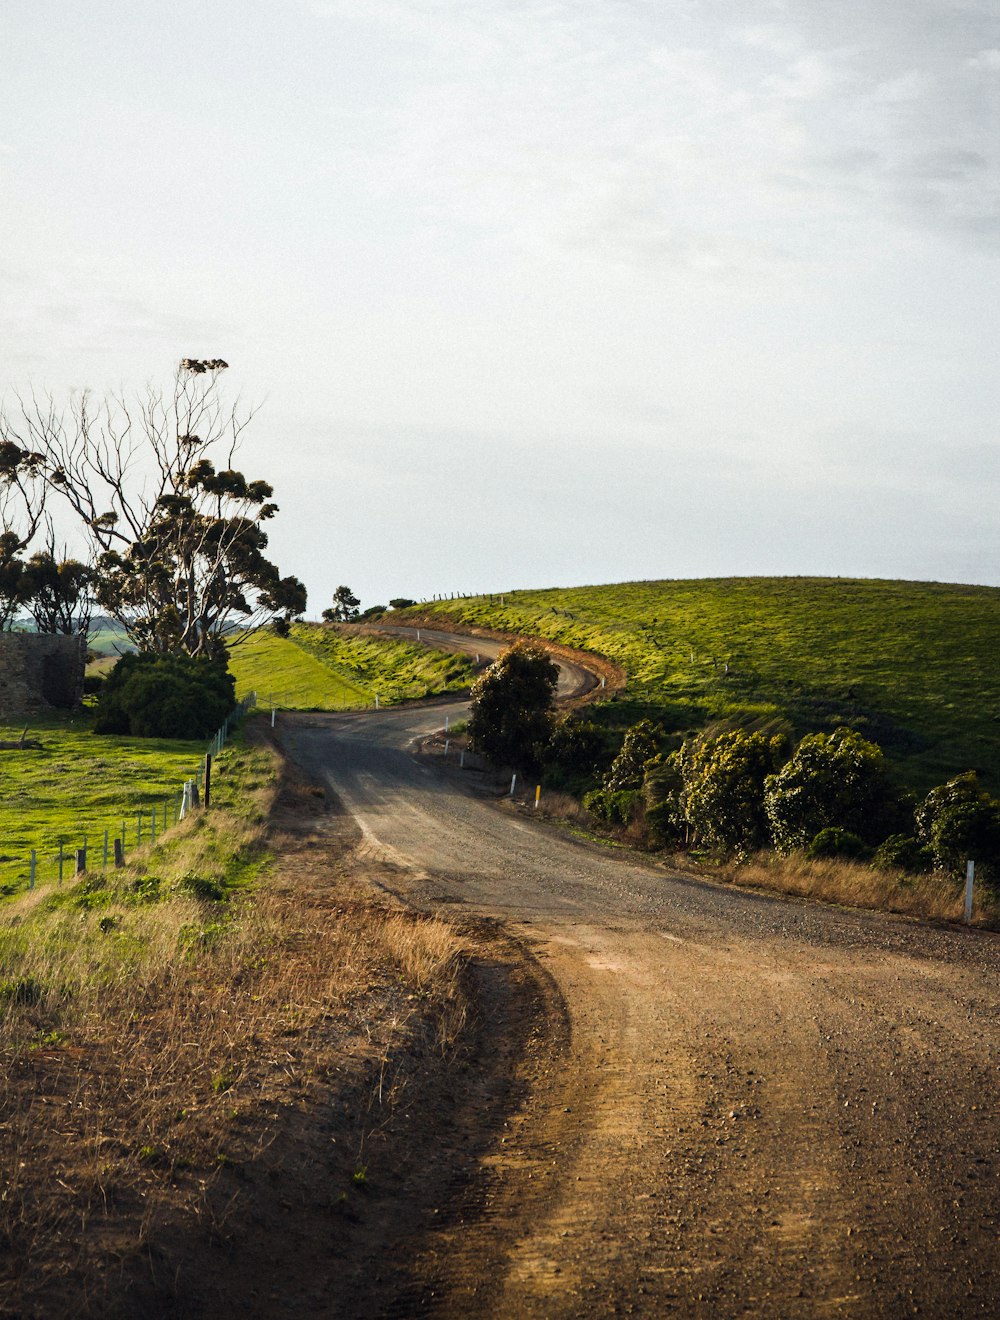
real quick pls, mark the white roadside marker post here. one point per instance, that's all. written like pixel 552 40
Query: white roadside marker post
pixel 513 784
pixel 447 744
pixel 970 876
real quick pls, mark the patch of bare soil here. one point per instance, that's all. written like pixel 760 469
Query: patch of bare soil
pixel 265 1137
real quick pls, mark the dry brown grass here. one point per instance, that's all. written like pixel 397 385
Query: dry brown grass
pixel 566 808
pixel 935 897
pixel 147 1042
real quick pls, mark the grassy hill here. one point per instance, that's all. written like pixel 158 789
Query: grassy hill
pixel 912 665
pixel 320 668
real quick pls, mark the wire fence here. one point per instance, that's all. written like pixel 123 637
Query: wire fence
pixel 106 843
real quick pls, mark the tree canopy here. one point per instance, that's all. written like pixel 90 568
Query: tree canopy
pixel 510 718
pixel 175 530
pixel 724 780
pixel 832 779
pixel 958 822
pixel 345 607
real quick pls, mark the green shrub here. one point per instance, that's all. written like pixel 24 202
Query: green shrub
pixel 959 821
pixel 613 806
pixel 832 779
pixel 642 743
pixel 575 752
pixel 835 842
pixel 24 991
pixel 903 852
pixel 724 780
pixel 203 887
pixel 158 696
pixel 662 789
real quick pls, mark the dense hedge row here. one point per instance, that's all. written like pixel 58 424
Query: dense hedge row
pixel 738 791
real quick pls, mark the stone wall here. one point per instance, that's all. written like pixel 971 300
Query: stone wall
pixel 38 670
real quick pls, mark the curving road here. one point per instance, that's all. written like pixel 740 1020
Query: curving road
pixel 765 1107
pixel 574 679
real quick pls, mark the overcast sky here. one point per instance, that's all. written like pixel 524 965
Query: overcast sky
pixel 536 293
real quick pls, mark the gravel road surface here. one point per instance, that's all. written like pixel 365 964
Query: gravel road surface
pixel 762 1107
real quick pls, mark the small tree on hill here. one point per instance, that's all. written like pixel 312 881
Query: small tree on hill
pixel 510 718
pixel 57 592
pixel 345 607
pixel 401 603
pixel 22 506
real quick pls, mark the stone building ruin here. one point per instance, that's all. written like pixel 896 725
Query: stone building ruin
pixel 40 670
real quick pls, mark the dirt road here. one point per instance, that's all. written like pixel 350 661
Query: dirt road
pixel 748 1106
pixel 574 679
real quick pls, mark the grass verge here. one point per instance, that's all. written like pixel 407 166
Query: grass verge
pixel 280 671
pixel 394 668
pixel 933 897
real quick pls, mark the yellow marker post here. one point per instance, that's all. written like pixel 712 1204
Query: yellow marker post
pixel 538 794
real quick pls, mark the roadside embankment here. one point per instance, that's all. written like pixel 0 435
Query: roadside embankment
pixel 210 1058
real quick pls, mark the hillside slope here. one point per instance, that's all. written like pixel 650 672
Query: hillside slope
pixel 322 668
pixel 912 665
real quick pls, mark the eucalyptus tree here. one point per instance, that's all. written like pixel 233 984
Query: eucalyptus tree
pixel 176 531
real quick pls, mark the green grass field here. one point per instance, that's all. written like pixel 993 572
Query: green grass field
pixel 79 785
pixel 107 637
pixel 912 665
pixel 279 670
pixel 317 668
